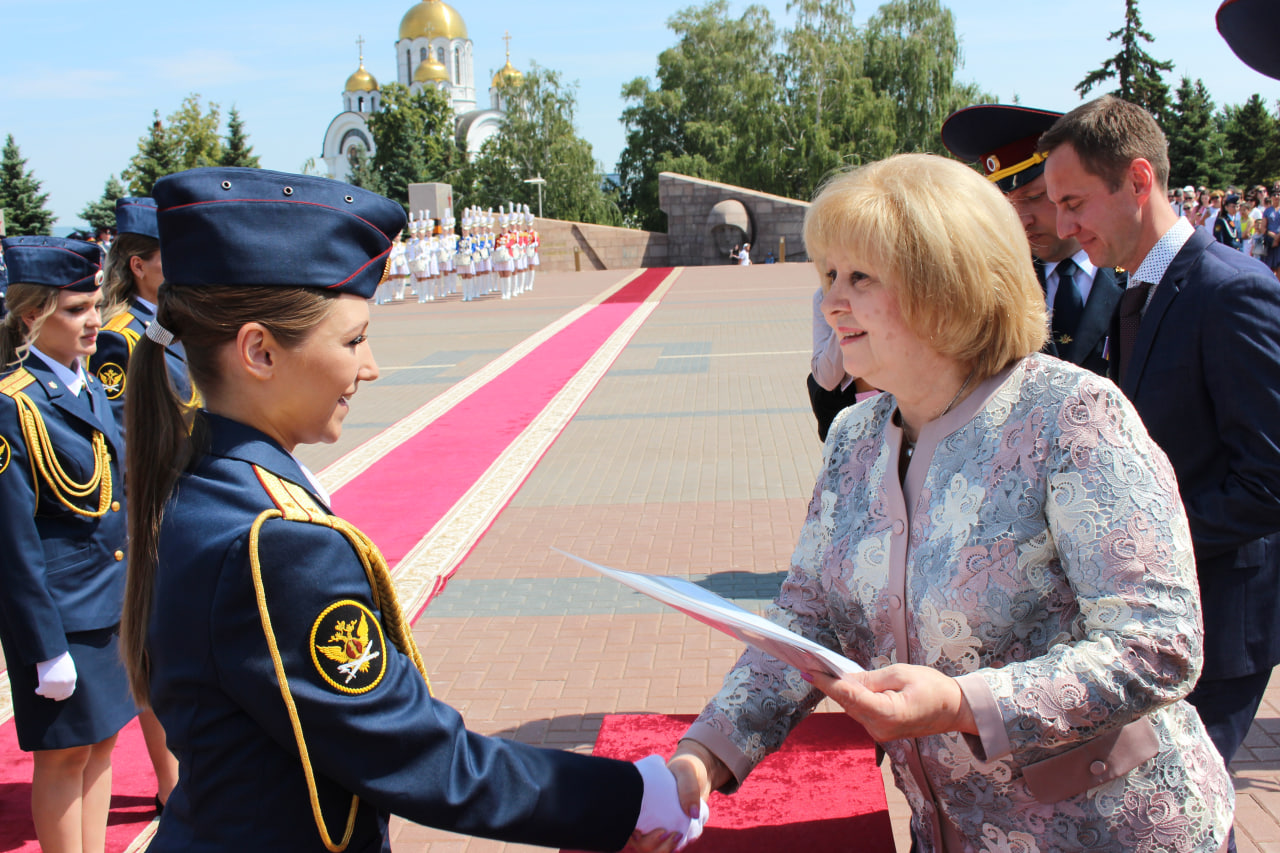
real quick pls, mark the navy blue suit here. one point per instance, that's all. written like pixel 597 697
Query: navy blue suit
pixel 1205 377
pixel 111 362
pixel 61 574
pixel 374 731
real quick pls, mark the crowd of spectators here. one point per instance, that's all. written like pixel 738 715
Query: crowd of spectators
pixel 1245 220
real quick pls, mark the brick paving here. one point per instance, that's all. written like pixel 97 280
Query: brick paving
pixel 694 456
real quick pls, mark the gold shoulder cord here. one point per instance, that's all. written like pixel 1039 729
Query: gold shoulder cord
pixel 44 457
pixel 120 325
pixel 294 504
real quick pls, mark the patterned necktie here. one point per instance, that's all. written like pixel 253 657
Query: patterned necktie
pixel 1068 307
pixel 1131 303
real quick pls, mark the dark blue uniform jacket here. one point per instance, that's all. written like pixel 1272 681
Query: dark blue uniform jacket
pixel 59 572
pixel 376 733
pixel 115 345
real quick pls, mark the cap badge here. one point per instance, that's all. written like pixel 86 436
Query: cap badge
pixel 993 163
pixel 346 650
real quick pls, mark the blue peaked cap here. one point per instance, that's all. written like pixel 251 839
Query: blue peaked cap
pixel 253 227
pixel 53 262
pixel 137 216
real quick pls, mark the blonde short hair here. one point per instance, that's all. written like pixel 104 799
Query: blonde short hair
pixel 951 246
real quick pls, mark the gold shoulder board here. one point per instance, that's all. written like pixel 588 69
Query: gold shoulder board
pixel 15 382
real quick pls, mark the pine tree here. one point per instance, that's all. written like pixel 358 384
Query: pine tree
pixel 20 197
pixel 101 214
pixel 1198 150
pixel 157 156
pixel 237 151
pixel 1253 133
pixel 1137 72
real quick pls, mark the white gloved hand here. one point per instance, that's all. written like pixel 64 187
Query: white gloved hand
pixel 57 677
pixel 660 805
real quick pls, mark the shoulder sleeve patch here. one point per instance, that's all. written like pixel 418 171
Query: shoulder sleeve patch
pixel 5 454
pixel 347 647
pixel 112 377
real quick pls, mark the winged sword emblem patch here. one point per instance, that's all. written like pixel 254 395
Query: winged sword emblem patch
pixel 347 647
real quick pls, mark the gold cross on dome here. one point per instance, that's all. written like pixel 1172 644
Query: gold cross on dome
pixel 506 36
pixel 360 42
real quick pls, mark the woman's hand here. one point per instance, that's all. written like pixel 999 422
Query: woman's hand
pixel 698 772
pixel 900 701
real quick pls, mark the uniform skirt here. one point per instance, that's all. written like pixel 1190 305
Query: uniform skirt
pixel 100 706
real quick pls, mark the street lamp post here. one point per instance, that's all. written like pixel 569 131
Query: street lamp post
pixel 539 181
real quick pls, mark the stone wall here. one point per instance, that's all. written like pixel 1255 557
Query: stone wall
pixel 599 247
pixel 700 234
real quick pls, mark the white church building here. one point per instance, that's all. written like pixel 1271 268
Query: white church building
pixel 433 49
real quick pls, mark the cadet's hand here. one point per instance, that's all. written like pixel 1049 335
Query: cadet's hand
pixel 660 809
pixel 57 677
pixel 900 701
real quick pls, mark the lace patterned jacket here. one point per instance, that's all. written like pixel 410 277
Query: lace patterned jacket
pixel 1037 551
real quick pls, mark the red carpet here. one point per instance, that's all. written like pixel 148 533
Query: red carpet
pixel 132 806
pixel 821 792
pixel 426 475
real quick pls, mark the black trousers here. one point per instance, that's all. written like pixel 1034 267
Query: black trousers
pixel 827 404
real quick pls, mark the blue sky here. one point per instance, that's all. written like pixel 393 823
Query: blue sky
pixel 80 79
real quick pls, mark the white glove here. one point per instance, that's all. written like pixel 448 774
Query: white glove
pixel 57 677
pixel 660 805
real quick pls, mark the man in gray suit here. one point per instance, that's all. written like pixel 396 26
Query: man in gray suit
pixel 1081 297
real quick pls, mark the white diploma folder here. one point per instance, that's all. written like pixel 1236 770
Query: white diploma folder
pixel 723 615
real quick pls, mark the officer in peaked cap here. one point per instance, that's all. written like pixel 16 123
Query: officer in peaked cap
pixel 131 288
pixel 1081 297
pixel 264 630
pixel 62 535
pixel 1251 29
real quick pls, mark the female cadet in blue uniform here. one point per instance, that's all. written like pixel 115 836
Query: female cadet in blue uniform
pixel 62 539
pixel 130 289
pixel 133 275
pixel 263 630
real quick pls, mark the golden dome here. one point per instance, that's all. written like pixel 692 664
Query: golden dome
pixel 431 71
pixel 361 81
pixel 508 75
pixel 432 19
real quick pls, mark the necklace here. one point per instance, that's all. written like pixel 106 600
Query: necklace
pixel 910 446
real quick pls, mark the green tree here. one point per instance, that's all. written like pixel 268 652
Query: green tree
pixel 413 137
pixel 739 101
pixel 539 138
pixel 1198 151
pixel 831 116
pixel 196 133
pixel 158 155
pixel 912 57
pixel 101 214
pixel 20 197
pixel 362 171
pixel 1253 134
pixel 236 150
pixel 1137 73
pixel 713 113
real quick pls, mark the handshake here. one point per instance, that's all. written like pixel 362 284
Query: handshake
pixel 660 807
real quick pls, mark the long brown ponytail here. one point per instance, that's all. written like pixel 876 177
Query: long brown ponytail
pixel 165 435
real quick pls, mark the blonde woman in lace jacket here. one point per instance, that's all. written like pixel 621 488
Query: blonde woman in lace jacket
pixel 996 539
